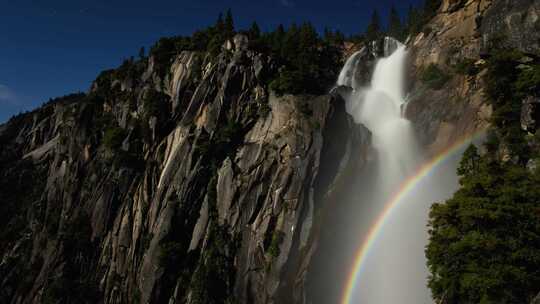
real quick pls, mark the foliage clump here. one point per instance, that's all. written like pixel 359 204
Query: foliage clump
pixel 213 281
pixel 508 82
pixel 171 254
pixel 156 104
pixel 263 110
pixel 129 69
pixel 75 284
pixel 209 39
pixel 528 81
pixel 418 17
pixel 277 239
pixel 131 160
pixel 308 61
pixel 113 137
pixel 485 241
pixel 434 77
pixel 224 143
pixel 466 66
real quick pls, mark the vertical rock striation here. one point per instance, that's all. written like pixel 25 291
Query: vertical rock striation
pixel 456 41
pixel 186 182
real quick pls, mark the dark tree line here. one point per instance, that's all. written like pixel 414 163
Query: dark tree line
pixel 308 60
pixel 413 23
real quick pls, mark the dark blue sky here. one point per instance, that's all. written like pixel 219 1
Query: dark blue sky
pixel 51 48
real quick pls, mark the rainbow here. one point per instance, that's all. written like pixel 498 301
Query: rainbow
pixel 406 187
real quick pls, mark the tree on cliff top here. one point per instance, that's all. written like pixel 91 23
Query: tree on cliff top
pixel 395 28
pixel 373 31
pixel 229 24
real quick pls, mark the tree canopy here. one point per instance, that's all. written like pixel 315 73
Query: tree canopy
pixel 395 27
pixel 307 61
pixel 485 241
pixel 374 29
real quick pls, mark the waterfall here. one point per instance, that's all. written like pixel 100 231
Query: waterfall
pixel 346 76
pixel 393 266
pixel 379 108
pixel 396 271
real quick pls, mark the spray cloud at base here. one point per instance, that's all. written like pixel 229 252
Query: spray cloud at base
pixel 394 272
pixel 378 233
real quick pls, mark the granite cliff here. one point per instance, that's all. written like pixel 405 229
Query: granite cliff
pixel 191 184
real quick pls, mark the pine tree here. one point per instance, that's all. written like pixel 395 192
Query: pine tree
pixel 411 20
pixel 142 53
pixel 328 35
pixel 199 40
pixel 220 25
pixel 333 37
pixel 278 38
pixel 254 31
pixel 308 36
pixel 469 161
pixel 339 37
pixel 229 24
pixel 289 48
pixel 395 28
pixel 307 49
pixel 486 237
pixel 373 31
pixel 430 8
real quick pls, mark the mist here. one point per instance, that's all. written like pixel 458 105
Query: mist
pixel 395 269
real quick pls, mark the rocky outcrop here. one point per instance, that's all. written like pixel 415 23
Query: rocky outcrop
pixel 460 35
pixel 518 22
pixel 530 114
pixel 360 64
pixel 192 185
pixel 358 69
pixel 536 300
pixel 444 115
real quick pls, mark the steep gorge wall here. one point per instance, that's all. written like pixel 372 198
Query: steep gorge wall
pixel 181 183
pixel 460 34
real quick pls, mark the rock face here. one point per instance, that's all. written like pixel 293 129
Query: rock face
pixel 530 114
pixel 518 21
pixel 360 65
pixel 187 182
pixel 459 34
pixel 536 300
pixel 443 115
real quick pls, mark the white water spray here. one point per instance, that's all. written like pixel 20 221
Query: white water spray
pixel 379 108
pixel 393 268
pixel 346 76
pixel 396 271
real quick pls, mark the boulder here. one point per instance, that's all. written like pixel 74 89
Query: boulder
pixel 241 42
pixel 536 300
pixel 530 113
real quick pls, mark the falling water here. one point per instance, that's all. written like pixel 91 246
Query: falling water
pixel 395 272
pixel 394 269
pixel 379 108
pixel 346 76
